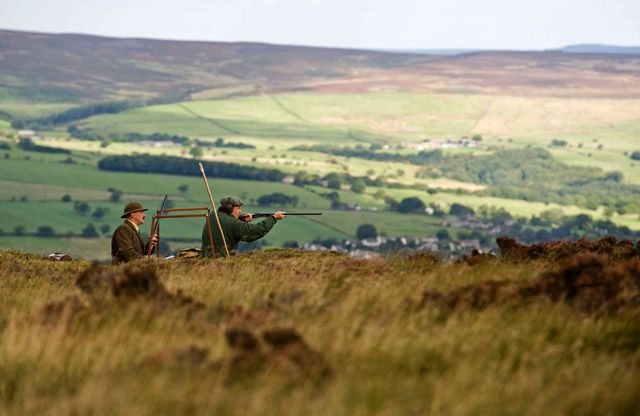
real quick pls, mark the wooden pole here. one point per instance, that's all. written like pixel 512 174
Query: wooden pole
pixel 213 250
pixel 215 212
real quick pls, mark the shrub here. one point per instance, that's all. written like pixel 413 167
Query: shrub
pixel 366 231
pixel 411 205
pixel 45 231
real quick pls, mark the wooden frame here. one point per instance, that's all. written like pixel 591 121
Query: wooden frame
pixel 164 214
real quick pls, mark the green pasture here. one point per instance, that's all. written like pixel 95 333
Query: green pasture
pixel 281 159
pixel 76 247
pixel 275 123
pixel 325 118
pixel 144 186
pixel 30 109
pixel 10 190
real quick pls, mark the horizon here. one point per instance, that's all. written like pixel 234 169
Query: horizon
pixel 377 25
pixel 376 49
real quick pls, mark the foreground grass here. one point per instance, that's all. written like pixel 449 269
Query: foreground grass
pixel 388 353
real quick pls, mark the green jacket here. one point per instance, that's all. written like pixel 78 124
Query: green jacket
pixel 234 231
pixel 126 244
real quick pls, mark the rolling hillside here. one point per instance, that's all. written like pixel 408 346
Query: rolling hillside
pixel 70 69
pixel 79 68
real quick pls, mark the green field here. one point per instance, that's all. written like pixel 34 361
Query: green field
pixel 349 119
pixel 339 119
pixel 598 133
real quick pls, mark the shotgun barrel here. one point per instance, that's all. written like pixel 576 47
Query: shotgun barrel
pixel 268 214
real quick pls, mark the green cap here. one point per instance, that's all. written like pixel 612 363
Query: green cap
pixel 228 202
pixel 132 207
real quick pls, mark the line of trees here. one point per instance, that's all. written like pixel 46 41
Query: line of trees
pixel 188 167
pixel 79 113
pixel 219 142
pixel 421 158
pixel 29 146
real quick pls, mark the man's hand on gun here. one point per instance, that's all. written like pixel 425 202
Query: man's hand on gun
pixel 278 215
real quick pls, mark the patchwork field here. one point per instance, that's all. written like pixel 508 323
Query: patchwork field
pixel 598 132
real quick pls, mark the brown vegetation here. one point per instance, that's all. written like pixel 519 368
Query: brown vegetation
pixel 588 281
pixel 290 332
pixel 559 250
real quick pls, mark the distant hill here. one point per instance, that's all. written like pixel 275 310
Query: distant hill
pixel 70 67
pixel 433 51
pixel 80 69
pixel 592 48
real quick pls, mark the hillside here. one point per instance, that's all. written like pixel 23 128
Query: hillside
pixel 47 68
pixel 289 332
pixel 77 68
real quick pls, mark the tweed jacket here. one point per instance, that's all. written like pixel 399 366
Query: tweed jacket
pixel 235 230
pixel 126 244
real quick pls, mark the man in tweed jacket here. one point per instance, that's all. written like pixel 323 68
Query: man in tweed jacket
pixel 126 243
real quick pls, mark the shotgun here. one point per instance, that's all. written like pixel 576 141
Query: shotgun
pixel 156 225
pixel 268 214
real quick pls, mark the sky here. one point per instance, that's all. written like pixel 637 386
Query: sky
pixel 370 24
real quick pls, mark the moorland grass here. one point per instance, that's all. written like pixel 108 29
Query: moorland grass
pixel 387 352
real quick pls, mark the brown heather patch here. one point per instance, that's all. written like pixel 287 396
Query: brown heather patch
pixel 188 356
pixel 265 342
pixel 137 280
pixel 287 354
pixel 591 283
pixel 587 281
pixel 560 250
pixel 63 310
pixel 282 352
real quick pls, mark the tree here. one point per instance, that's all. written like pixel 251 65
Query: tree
pixel 89 231
pixel 358 186
pixel 277 199
pixel 334 184
pixel 99 213
pixel 558 143
pixel 614 176
pixel 411 204
pixel 19 230
pixel 443 234
pixel 183 188
pixel 116 195
pixel 635 155
pixel 196 151
pixel 66 198
pixel 45 231
pixel 366 231
pixel 81 207
pixel 105 229
pixel 461 211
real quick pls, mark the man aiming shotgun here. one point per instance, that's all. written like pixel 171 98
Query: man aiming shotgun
pixel 235 229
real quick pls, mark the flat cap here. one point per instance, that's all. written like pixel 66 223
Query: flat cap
pixel 132 207
pixel 228 202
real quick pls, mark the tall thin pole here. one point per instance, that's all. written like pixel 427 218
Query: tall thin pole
pixel 215 212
